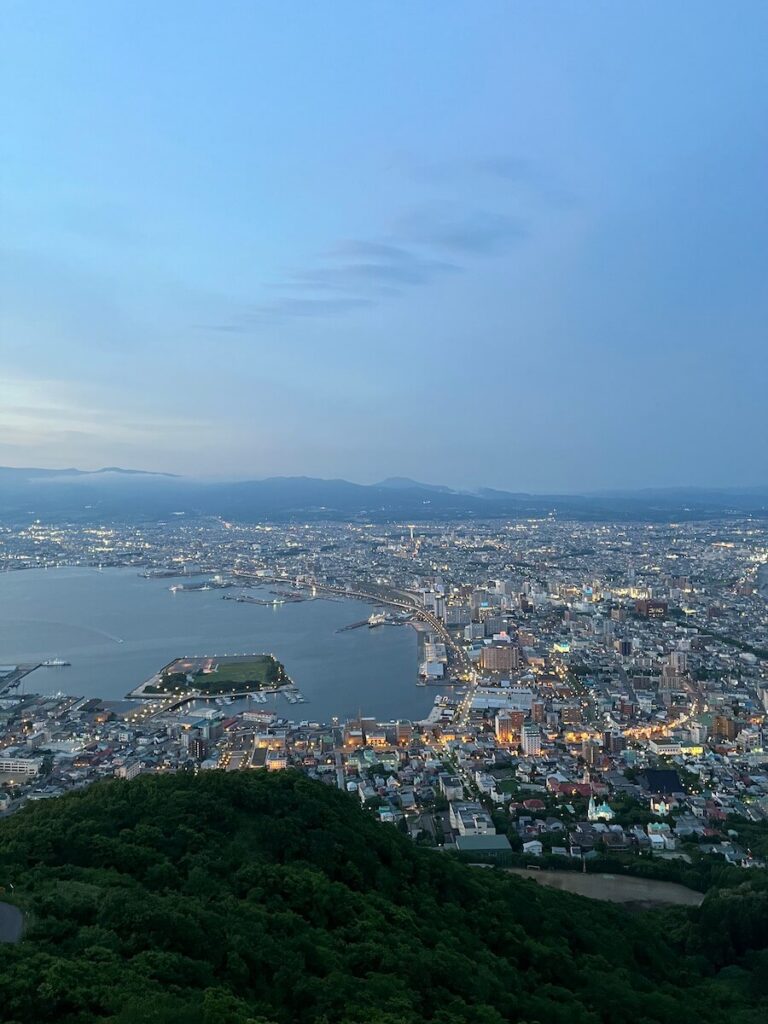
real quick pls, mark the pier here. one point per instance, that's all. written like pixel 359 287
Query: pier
pixel 13 679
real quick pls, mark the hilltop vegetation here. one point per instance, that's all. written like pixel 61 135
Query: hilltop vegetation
pixel 227 899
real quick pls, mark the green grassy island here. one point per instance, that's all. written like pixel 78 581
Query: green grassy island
pixel 221 676
pixel 268 898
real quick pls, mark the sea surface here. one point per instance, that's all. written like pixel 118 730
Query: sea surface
pixel 117 629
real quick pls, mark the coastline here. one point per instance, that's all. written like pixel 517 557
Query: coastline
pixel 118 629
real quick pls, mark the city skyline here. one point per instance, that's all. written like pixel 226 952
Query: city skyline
pixel 502 246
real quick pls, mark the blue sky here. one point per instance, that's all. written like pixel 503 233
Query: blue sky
pixel 508 244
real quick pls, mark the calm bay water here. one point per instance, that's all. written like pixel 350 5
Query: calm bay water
pixel 117 628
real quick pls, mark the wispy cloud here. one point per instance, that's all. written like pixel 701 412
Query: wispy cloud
pixel 352 275
pixel 43 410
pixel 511 168
pixel 471 232
pixel 51 422
pixel 356 265
pixel 303 307
pixel 355 274
pixel 521 178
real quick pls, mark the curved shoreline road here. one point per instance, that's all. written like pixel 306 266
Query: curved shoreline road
pixel 11 923
pixel 461 715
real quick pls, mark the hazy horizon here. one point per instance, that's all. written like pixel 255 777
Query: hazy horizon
pixel 498 245
pixel 85 473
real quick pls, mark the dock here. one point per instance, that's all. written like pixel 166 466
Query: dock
pixel 12 680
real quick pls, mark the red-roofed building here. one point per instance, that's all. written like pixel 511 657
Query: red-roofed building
pixel 534 805
pixel 574 789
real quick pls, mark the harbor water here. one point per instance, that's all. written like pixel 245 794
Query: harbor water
pixel 117 628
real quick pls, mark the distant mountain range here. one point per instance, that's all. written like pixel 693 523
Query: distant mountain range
pixel 72 494
pixel 30 474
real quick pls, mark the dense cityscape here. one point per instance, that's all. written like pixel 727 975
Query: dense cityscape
pixel 383 513
pixel 599 689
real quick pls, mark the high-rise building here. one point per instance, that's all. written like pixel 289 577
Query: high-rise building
pixel 590 751
pixel 613 742
pixel 670 680
pixel 678 660
pixel 538 712
pixel 198 748
pixel 724 728
pixel 531 740
pixel 493 624
pixel 403 733
pixel 456 615
pixel 500 658
pixel 508 726
pixel 651 609
pixel 571 715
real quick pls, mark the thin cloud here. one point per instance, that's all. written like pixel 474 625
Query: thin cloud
pixel 408 270
pixel 471 232
pixel 536 182
pixel 508 167
pixel 304 307
pixel 524 177
pixel 47 411
pixel 359 248
pixel 356 274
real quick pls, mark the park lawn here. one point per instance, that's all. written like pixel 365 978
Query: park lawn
pixel 254 673
pixel 263 669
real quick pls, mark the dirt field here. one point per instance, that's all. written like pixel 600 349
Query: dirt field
pixel 616 888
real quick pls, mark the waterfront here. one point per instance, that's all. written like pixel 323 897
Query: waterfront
pixel 117 629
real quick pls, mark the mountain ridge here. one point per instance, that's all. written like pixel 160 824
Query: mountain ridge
pixel 114 492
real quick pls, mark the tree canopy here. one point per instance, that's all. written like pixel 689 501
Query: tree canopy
pixel 272 899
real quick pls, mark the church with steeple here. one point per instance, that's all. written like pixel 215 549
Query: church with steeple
pixel 599 812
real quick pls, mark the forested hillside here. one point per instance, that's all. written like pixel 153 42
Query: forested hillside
pixel 223 899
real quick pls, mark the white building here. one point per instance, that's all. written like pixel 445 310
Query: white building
pixel 531 740
pixel 533 848
pixel 129 770
pixel 664 748
pixel 469 819
pixel 19 765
